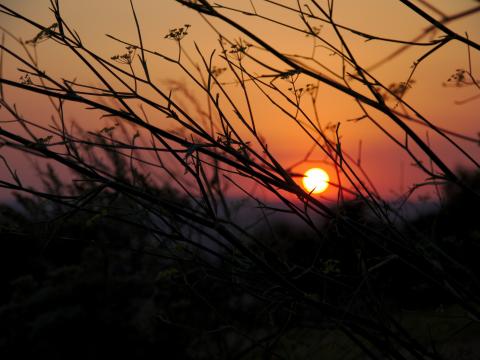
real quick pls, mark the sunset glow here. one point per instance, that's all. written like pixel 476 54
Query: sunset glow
pixel 243 176
pixel 316 180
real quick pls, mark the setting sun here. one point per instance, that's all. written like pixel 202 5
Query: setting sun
pixel 315 180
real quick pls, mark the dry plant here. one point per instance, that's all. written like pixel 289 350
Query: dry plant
pixel 174 179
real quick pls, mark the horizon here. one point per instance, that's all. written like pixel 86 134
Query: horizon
pixel 390 170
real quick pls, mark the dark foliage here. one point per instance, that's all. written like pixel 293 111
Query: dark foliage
pixel 81 288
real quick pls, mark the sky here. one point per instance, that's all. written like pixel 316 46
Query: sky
pixel 388 167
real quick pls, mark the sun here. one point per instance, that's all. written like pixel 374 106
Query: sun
pixel 315 180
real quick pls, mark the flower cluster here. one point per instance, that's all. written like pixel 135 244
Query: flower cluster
pixel 26 80
pixel 298 92
pixel 178 34
pixel 330 266
pixel 315 30
pixel 399 89
pixel 458 78
pixel 217 71
pixel 126 58
pixel 238 49
pixel 311 89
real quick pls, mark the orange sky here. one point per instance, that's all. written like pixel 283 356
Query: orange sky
pixel 388 167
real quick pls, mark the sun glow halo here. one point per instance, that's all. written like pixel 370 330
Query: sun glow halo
pixel 316 180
